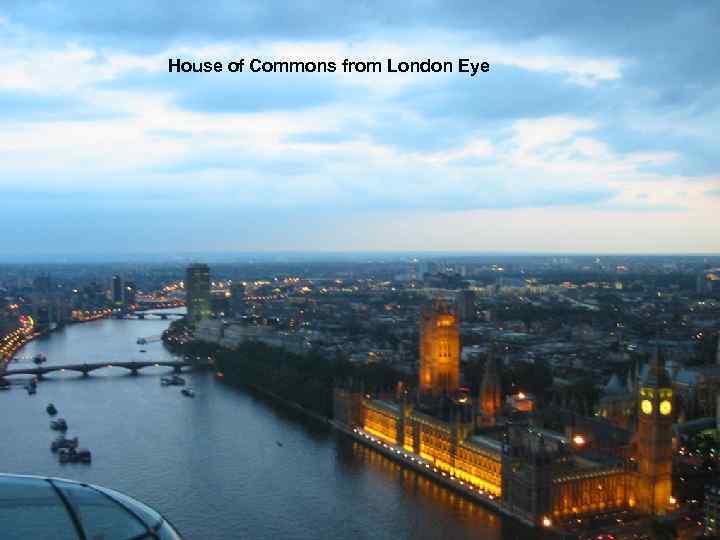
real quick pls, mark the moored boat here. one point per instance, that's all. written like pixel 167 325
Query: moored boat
pixel 73 455
pixel 64 443
pixel 82 455
pixel 64 455
pixel 174 380
pixel 59 425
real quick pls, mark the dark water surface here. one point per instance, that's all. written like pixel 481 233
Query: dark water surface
pixel 212 464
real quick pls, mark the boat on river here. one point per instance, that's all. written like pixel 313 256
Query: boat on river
pixel 51 410
pixel 174 380
pixel 73 455
pixel 63 442
pixel 59 425
pixel 189 392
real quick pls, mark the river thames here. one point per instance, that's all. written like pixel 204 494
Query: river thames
pixel 227 464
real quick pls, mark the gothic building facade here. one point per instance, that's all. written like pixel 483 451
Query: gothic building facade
pixel 534 473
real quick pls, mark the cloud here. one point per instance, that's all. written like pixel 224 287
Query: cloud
pixel 31 107
pixel 585 111
pixel 497 97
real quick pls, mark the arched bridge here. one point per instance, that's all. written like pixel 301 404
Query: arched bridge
pixel 133 367
pixel 151 315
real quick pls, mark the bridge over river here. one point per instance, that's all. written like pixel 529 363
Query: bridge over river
pixel 149 315
pixel 85 369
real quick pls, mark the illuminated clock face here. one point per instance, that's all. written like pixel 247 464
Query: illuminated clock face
pixel 646 406
pixel 665 407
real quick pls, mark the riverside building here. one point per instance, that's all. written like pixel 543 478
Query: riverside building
pixel 505 457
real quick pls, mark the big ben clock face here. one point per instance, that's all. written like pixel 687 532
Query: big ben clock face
pixel 665 407
pixel 646 406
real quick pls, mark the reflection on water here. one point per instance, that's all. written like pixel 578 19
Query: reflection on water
pixel 212 464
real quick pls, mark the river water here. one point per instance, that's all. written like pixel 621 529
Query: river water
pixel 213 464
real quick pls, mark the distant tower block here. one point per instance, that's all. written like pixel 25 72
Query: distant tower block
pixel 490 398
pixel 439 351
pixel 197 292
pixel 465 300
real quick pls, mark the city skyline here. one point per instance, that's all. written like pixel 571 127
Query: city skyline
pixel 593 131
pixel 575 394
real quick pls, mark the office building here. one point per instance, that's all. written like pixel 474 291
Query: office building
pixel 197 292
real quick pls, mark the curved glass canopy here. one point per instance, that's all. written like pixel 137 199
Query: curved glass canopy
pixel 55 509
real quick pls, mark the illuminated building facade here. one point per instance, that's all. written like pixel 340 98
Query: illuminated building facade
pixel 197 292
pixel 537 475
pixel 449 445
pixel 548 476
pixel 439 351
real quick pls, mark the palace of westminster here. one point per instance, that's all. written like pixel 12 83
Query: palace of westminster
pixel 506 449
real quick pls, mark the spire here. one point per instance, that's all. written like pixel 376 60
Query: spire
pixel 613 386
pixel 440 305
pixel 657 376
pixel 490 390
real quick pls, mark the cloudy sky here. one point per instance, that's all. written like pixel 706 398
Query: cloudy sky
pixel 596 130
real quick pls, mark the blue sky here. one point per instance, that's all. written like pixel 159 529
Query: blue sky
pixel 596 129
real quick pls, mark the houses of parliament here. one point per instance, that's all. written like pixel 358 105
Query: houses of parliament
pixel 504 449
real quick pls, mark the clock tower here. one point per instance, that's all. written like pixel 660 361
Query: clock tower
pixel 654 439
pixel 439 351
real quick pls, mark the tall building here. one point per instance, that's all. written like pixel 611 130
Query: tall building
pixel 45 304
pixel 490 398
pixel 654 439
pixel 439 351
pixel 717 351
pixel 117 291
pixel 237 299
pixel 197 292
pixel 130 292
pixel 465 301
